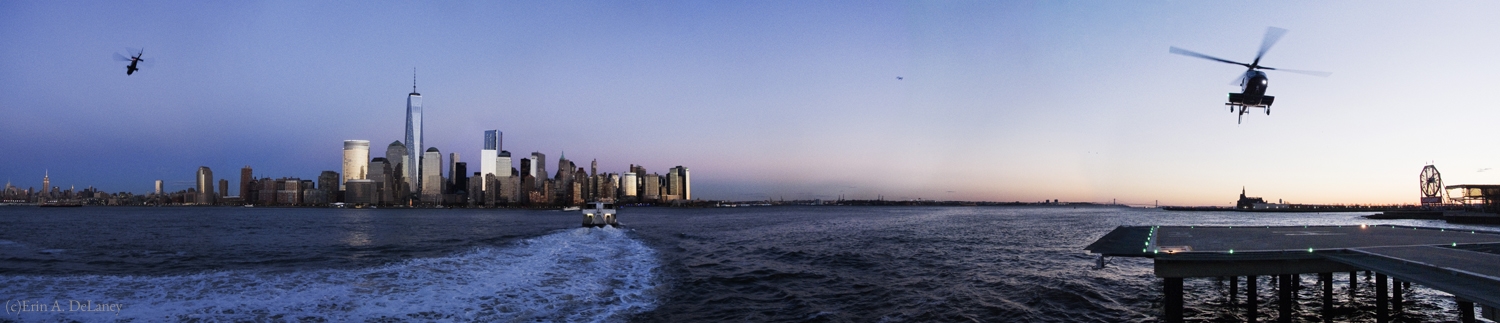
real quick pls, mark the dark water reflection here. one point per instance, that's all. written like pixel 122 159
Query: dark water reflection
pixel 824 264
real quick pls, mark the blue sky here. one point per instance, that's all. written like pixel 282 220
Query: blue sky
pixel 1002 101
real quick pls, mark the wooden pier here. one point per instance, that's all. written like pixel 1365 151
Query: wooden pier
pixel 1463 263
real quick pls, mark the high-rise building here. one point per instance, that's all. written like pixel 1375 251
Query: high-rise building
pixel 378 168
pixel 458 180
pixel 396 156
pixel 356 161
pixel 452 177
pixel 205 185
pixel 678 183
pixel 432 176
pixel 488 155
pixel 223 187
pixel 502 164
pixel 158 187
pixel 414 136
pixel 46 181
pixel 245 182
pixel 628 185
pixel 539 167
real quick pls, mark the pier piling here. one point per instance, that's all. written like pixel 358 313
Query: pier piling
pixel 1251 300
pixel 1234 284
pixel 1353 286
pixel 1284 299
pixel 1396 296
pixel 1327 280
pixel 1382 314
pixel 1172 288
pixel 1465 311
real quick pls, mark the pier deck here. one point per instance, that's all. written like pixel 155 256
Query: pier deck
pixel 1460 262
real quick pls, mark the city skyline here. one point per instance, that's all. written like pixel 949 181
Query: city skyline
pixel 995 101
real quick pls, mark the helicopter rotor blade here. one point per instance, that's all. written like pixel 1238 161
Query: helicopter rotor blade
pixel 1185 52
pixel 1303 72
pixel 121 58
pixel 1238 81
pixel 1273 35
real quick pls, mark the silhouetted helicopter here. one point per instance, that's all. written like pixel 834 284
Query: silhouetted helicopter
pixel 130 69
pixel 1253 82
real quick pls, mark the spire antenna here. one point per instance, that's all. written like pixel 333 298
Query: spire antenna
pixel 414 80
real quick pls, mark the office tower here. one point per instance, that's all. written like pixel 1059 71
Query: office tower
pixel 378 169
pixel 46 182
pixel 158 187
pixel 460 182
pixel 328 181
pixel 475 189
pixel 539 167
pixel 650 188
pixel 594 168
pixel 452 177
pixel 432 176
pixel 223 187
pixel 395 154
pixel 674 184
pixel 502 164
pixel 414 137
pixel 487 161
pixel 356 161
pixel 360 192
pixel 205 185
pixel 678 184
pixel 245 180
pixel 628 185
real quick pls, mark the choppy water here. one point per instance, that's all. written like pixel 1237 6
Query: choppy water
pixel 834 264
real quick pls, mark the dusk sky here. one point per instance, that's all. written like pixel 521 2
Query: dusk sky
pixel 1000 101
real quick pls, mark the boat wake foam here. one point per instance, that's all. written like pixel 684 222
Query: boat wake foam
pixel 577 275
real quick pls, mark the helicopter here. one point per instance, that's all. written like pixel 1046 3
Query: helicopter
pixel 1253 82
pixel 134 60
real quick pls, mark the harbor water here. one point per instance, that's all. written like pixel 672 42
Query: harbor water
pixel 757 264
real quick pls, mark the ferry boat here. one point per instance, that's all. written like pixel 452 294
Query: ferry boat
pixel 599 214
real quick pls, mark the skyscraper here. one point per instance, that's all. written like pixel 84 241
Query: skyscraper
pixel 681 185
pixel 432 176
pixel 452 177
pixel 205 185
pixel 395 153
pixel 378 168
pixel 356 161
pixel 396 156
pixel 487 156
pixel 158 187
pixel 502 164
pixel 414 135
pixel 539 167
pixel 46 181
pixel 245 180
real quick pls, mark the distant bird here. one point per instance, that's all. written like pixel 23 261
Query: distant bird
pixel 1481 170
pixel 898 78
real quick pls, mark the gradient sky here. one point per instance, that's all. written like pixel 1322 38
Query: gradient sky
pixel 1001 101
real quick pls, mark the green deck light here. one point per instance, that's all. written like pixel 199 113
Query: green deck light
pixel 1455 244
pixel 1309 249
pixel 1231 251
